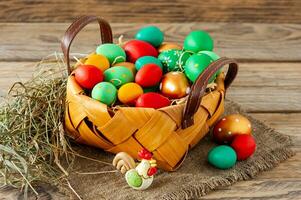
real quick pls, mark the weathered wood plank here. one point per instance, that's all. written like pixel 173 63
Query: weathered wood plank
pixel 268 11
pixel 261 42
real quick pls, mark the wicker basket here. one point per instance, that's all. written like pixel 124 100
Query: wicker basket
pixel 168 132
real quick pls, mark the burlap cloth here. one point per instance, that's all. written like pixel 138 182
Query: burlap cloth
pixel 193 179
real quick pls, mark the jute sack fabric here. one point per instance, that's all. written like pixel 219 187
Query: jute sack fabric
pixel 168 132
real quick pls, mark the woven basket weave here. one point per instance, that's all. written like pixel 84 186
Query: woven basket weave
pixel 168 132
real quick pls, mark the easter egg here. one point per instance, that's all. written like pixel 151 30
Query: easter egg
pixel 197 41
pixel 129 65
pixel 174 60
pixel 222 157
pixel 129 92
pixel 213 56
pixel 98 61
pixel 149 75
pixel 87 76
pixel 195 65
pixel 136 48
pixel 140 62
pixel 228 127
pixel 244 146
pixel 112 52
pixel 152 100
pixel 167 46
pixel 150 34
pixel 151 89
pixel 174 85
pixel 104 92
pixel 118 75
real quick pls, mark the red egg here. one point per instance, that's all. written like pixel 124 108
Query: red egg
pixel 149 75
pixel 228 127
pixel 152 100
pixel 135 49
pixel 244 146
pixel 87 76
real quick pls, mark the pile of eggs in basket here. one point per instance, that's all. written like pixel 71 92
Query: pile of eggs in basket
pixel 146 72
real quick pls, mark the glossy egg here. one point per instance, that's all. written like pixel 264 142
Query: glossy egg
pixel 168 46
pixel 147 60
pixel 87 76
pixel 174 85
pixel 174 60
pixel 136 48
pixel 244 146
pixel 152 100
pixel 213 56
pixel 195 65
pixel 118 75
pixel 228 127
pixel 105 93
pixel 150 34
pixel 129 92
pixel 98 61
pixel 197 41
pixel 149 75
pixel 129 65
pixel 113 52
pixel 222 157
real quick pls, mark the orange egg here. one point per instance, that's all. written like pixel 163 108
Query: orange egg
pixel 129 92
pixel 228 127
pixel 129 65
pixel 98 61
pixel 167 46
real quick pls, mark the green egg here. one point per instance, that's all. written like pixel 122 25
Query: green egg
pixel 113 52
pixel 213 56
pixel 133 179
pixel 118 75
pixel 104 92
pixel 151 89
pixel 222 157
pixel 140 62
pixel 173 59
pixel 196 64
pixel 198 41
pixel 150 34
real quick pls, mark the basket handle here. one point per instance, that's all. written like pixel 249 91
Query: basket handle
pixel 198 89
pixel 76 27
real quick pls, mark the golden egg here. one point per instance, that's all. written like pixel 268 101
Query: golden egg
pixel 174 85
pixel 128 65
pixel 167 46
pixel 228 127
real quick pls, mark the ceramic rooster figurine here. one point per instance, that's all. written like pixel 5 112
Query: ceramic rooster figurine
pixel 140 177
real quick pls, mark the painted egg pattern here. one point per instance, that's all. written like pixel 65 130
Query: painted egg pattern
pixel 147 60
pixel 228 127
pixel 150 34
pixel 244 146
pixel 112 52
pixel 105 93
pixel 152 100
pixel 174 60
pixel 197 41
pixel 98 61
pixel 118 75
pixel 87 76
pixel 129 92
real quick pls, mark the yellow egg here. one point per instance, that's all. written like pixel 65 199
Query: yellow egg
pixel 129 92
pixel 128 65
pixel 167 46
pixel 98 61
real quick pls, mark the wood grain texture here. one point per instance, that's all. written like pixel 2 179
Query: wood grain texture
pixel 256 42
pixel 268 11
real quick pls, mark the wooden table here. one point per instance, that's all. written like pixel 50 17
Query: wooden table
pixel 264 35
